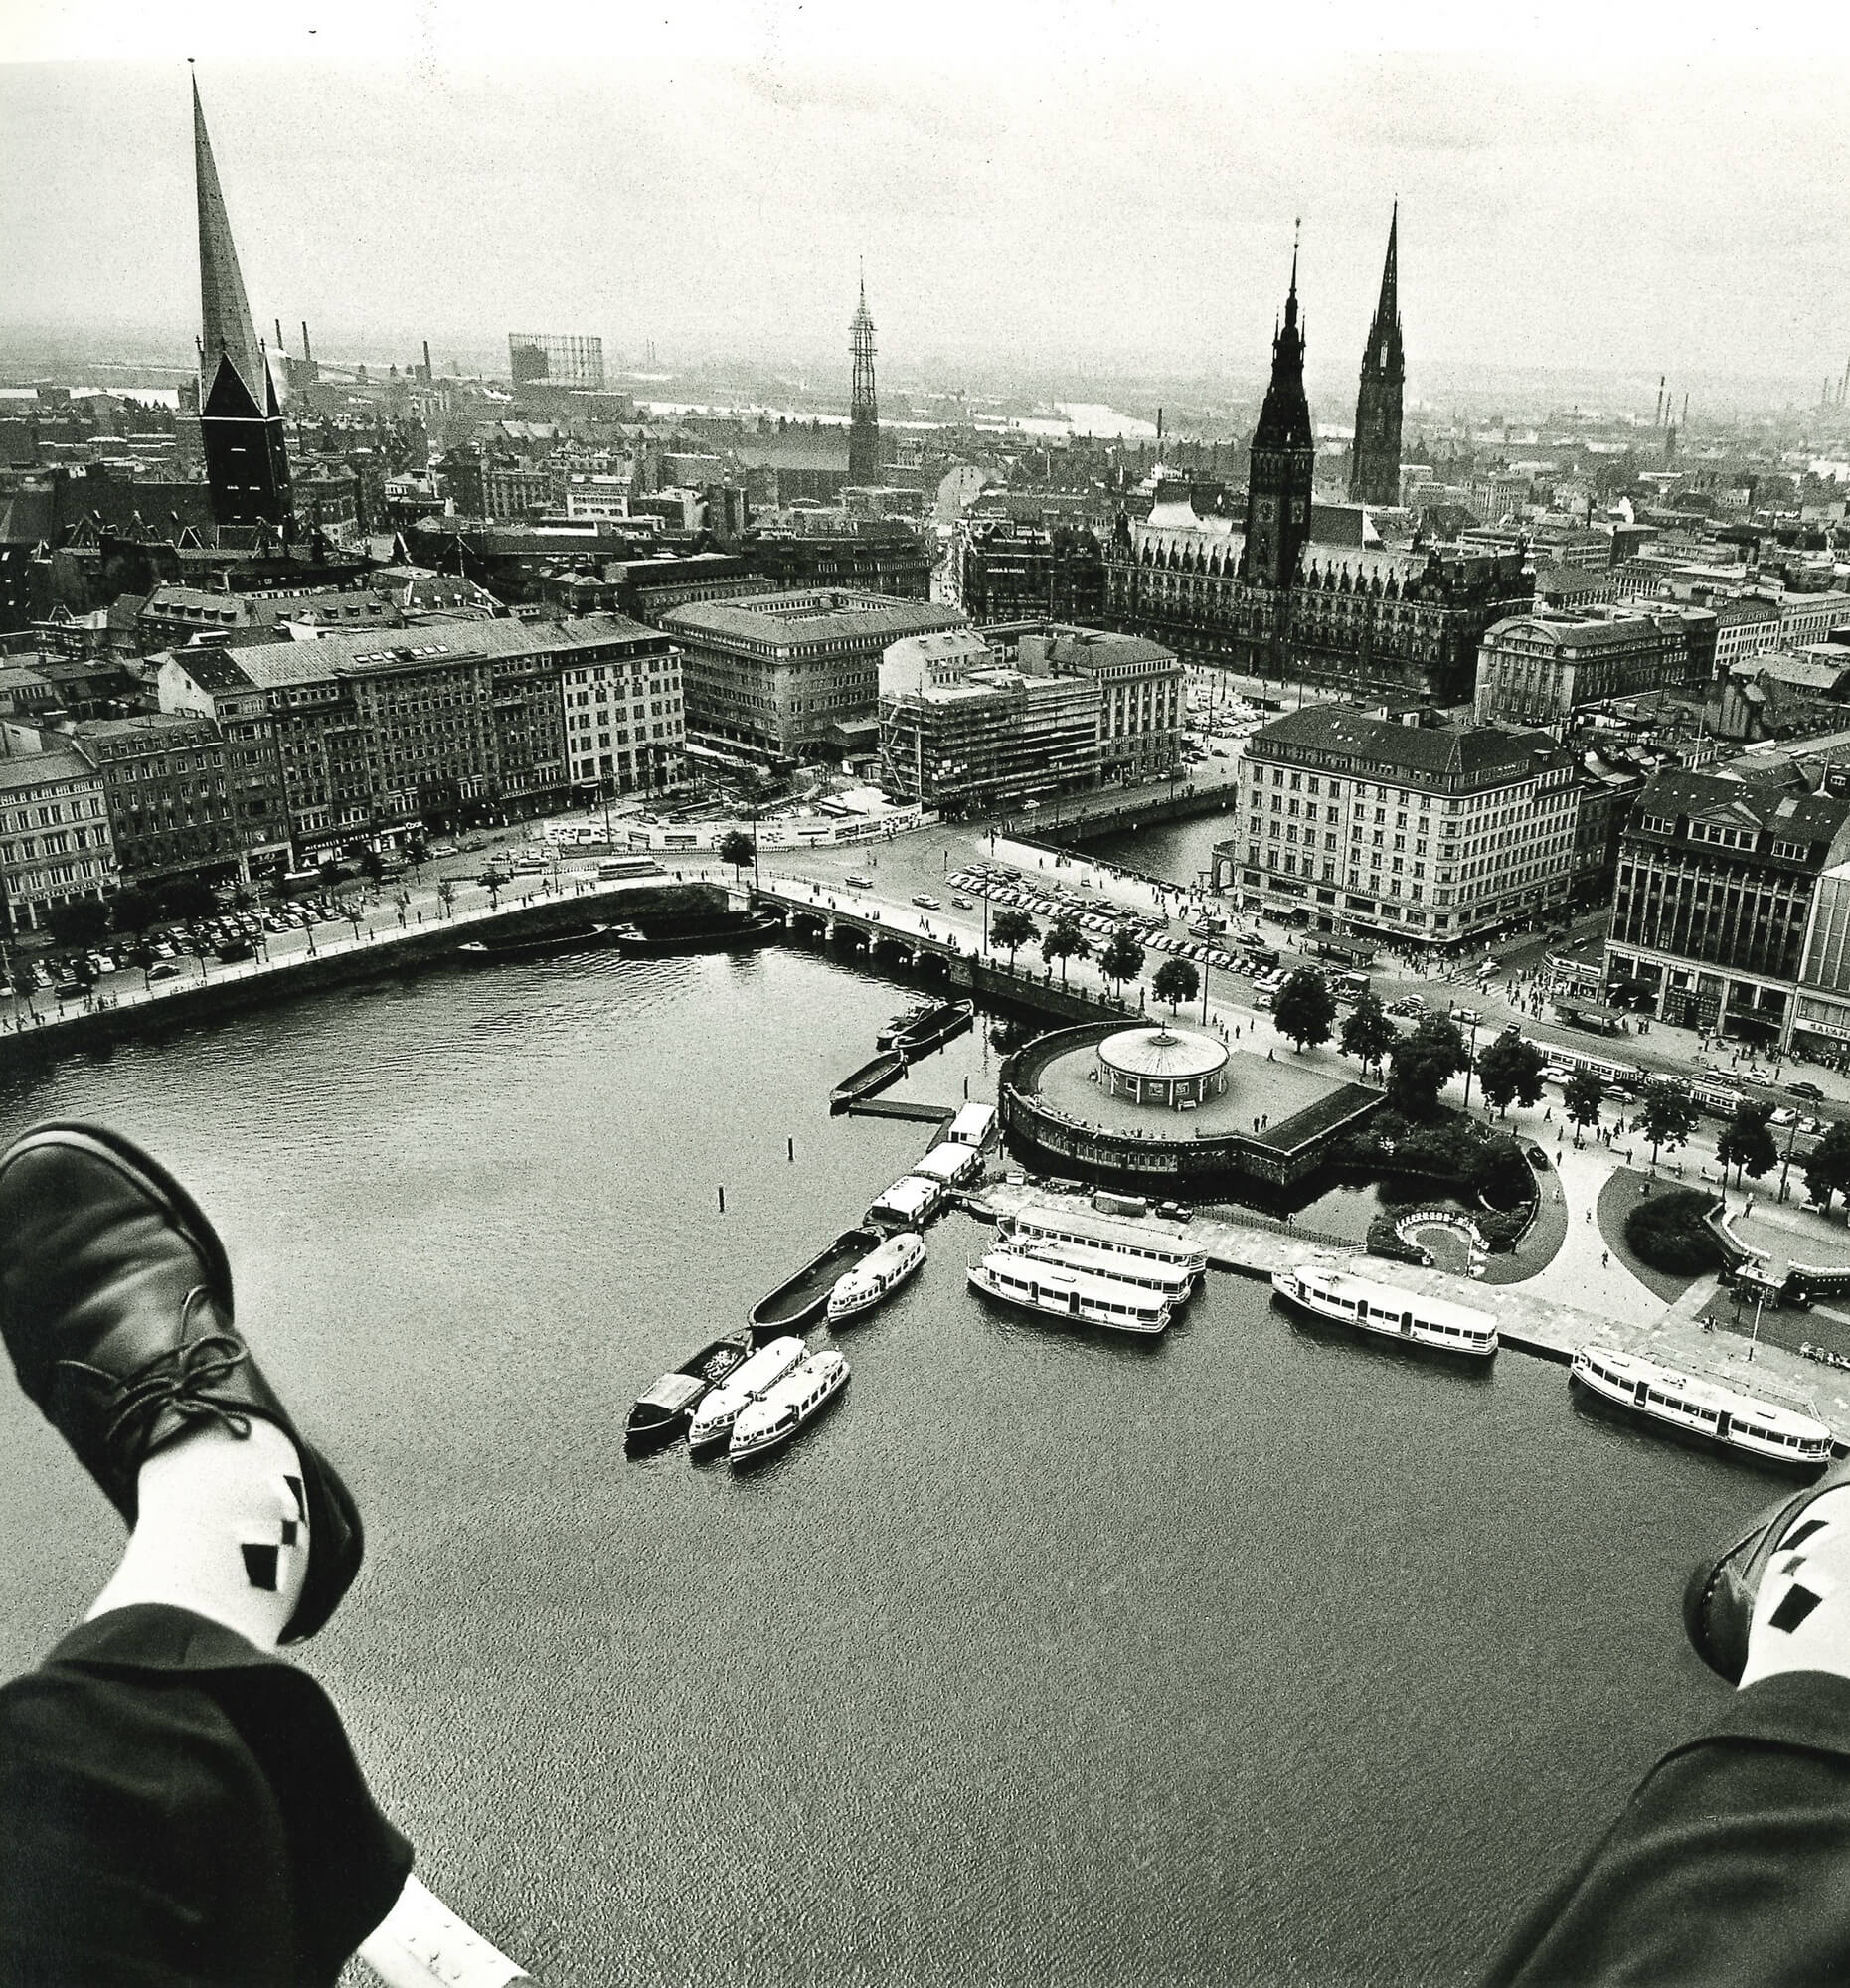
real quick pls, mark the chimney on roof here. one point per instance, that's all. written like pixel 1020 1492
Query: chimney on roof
pixel 306 352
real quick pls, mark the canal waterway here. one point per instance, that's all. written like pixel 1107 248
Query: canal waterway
pixel 1254 1655
pixel 1180 851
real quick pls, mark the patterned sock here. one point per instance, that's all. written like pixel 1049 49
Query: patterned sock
pixel 222 1530
pixel 1801 1615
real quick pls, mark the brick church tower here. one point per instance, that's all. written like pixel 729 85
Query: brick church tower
pixel 1282 463
pixel 1375 469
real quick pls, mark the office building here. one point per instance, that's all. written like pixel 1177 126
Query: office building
pixel 1358 822
pixel 1003 570
pixel 1718 879
pixel 791 675
pixel 1536 669
pixel 55 843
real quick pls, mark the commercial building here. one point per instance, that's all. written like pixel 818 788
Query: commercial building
pixel 791 675
pixel 424 725
pixel 624 724
pixel 878 556
pixel 55 843
pixel 1535 669
pixel 1718 882
pixel 1141 706
pixel 1351 821
pixel 1003 570
pixel 963 731
pixel 181 800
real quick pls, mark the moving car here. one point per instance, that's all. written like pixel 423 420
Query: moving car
pixel 1804 1088
pixel 925 901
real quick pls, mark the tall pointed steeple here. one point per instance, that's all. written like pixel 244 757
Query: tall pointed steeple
pixel 1374 467
pixel 1282 463
pixel 864 417
pixel 240 423
pixel 224 309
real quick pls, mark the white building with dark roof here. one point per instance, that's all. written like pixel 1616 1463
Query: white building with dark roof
pixel 1357 822
pixel 55 841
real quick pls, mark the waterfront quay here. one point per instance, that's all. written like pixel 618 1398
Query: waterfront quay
pixel 1526 1321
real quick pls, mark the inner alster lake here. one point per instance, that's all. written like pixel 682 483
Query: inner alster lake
pixel 1254 1655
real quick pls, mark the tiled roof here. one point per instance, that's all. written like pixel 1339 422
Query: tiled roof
pixel 34 770
pixel 1471 753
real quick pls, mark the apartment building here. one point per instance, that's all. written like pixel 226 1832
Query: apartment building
pixel 55 841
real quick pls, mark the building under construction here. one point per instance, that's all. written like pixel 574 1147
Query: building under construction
pixel 557 360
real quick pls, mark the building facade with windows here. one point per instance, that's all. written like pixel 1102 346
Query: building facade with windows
pixel 1718 885
pixel 965 730
pixel 55 841
pixel 624 727
pixel 1535 669
pixel 782 676
pixel 1141 696
pixel 180 799
pixel 1005 571
pixel 1361 823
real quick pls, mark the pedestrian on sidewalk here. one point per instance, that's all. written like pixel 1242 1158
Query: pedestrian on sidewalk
pixel 1605 1259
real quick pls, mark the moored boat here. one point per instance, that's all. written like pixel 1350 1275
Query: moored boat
pixel 876 1277
pixel 662 1411
pixel 883 1040
pixel 910 1203
pixel 712 1421
pixel 1388 1311
pixel 1151 1240
pixel 933 1029
pixel 698 931
pixel 535 945
pixel 886 1068
pixel 1173 1281
pixel 798 1299
pixel 1704 1409
pixel 768 1423
pixel 949 1163
pixel 1080 1298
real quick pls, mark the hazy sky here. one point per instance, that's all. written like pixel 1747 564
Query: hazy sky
pixel 1626 187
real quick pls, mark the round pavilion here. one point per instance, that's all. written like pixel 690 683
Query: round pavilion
pixel 1179 1068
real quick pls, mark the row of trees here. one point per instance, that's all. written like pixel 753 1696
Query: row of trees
pixel 1119 960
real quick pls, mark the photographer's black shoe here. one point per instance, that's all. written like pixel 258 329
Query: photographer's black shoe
pixel 115 1304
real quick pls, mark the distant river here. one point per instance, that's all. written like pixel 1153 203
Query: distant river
pixel 1255 1656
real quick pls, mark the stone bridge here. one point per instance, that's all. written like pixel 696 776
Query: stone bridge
pixel 861 921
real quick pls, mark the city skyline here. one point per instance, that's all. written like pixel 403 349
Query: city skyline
pixel 1125 208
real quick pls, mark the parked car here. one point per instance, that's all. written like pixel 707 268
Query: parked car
pixel 860 882
pixel 962 905
pixel 1410 1005
pixel 1813 1128
pixel 1784 1117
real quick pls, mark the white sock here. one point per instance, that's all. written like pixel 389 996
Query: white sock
pixel 222 1530
pixel 1801 1615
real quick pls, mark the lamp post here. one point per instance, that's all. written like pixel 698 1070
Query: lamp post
pixel 1470 1066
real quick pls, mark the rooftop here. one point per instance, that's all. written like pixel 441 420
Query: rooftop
pixel 785 620
pixel 37 770
pixel 1477 753
pixel 1163 1051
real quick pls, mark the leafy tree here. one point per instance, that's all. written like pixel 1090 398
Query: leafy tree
pixel 1305 1009
pixel 1367 1034
pixel 417 851
pixel 1123 958
pixel 187 897
pixel 1827 1170
pixel 738 848
pixel 1064 940
pixel 78 920
pixel 1746 1143
pixel 1424 1061
pixel 134 909
pixel 1584 1093
pixel 372 866
pixel 330 869
pixel 447 891
pixel 1011 928
pixel 1666 1114
pixel 1175 981
pixel 1509 1069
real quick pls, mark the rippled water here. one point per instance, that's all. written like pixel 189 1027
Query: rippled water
pixel 1252 1656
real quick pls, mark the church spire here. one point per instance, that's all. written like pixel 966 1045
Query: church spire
pixel 1283 462
pixel 1374 467
pixel 224 309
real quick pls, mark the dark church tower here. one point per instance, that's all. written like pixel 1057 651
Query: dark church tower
pixel 240 423
pixel 1375 471
pixel 1282 463
pixel 864 420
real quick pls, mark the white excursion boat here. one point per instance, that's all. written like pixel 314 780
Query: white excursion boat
pixel 714 1419
pixel 1153 1241
pixel 1076 1295
pixel 767 1424
pixel 1409 1316
pixel 1702 1408
pixel 909 1202
pixel 876 1276
pixel 1173 1281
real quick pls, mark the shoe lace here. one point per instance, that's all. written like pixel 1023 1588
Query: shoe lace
pixel 174 1382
